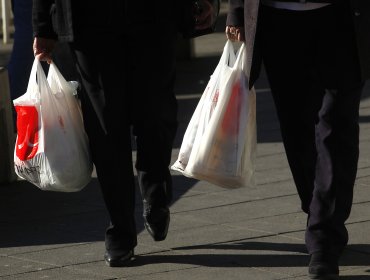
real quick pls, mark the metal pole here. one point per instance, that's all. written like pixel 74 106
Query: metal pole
pixel 5 15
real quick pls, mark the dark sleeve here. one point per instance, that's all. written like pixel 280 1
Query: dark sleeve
pixel 184 17
pixel 42 19
pixel 235 15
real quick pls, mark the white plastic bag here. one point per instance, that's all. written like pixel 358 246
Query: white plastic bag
pixel 51 149
pixel 219 145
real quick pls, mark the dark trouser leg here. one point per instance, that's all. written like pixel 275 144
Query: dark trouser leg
pixel 296 95
pixel 319 128
pixel 154 113
pixel 337 141
pixel 104 101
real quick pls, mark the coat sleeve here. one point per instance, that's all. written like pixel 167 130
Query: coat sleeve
pixel 184 19
pixel 361 16
pixel 42 19
pixel 235 15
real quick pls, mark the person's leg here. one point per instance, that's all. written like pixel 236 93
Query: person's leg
pixel 288 53
pixel 337 134
pixel 337 141
pixel 154 115
pixel 333 131
pixel 105 109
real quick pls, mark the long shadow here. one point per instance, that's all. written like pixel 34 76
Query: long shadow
pixel 354 254
pixel 241 260
pixel 227 260
pixel 222 255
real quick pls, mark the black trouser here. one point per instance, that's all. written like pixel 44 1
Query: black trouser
pixel 312 66
pixel 128 84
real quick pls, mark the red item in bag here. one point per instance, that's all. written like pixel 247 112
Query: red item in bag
pixel 27 131
pixel 230 123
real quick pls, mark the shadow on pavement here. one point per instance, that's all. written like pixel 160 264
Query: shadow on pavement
pixel 30 216
pixel 222 256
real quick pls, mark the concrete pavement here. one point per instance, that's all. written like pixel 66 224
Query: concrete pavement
pixel 215 233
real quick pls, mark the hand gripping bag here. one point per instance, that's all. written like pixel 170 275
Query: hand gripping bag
pixel 51 149
pixel 219 144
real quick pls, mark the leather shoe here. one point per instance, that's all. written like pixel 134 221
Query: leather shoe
pixel 117 259
pixel 157 222
pixel 323 267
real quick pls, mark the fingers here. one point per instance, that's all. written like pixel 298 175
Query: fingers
pixel 44 57
pixel 42 49
pixel 231 33
pixel 234 33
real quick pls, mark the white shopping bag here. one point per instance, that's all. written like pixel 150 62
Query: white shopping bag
pixel 51 150
pixel 219 145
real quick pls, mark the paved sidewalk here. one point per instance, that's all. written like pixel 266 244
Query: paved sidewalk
pixel 215 233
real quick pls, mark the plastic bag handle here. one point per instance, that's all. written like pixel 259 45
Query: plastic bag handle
pixel 37 80
pixel 228 55
pixel 55 77
pixel 240 57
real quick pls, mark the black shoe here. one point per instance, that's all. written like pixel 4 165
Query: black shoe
pixel 157 222
pixel 323 267
pixel 123 258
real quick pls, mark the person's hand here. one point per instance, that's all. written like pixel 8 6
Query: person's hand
pixel 42 48
pixel 203 11
pixel 235 33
